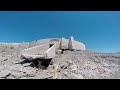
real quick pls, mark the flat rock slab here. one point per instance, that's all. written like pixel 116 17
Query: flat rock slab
pixel 4 73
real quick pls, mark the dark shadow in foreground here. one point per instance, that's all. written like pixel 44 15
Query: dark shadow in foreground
pixel 38 63
pixel 41 63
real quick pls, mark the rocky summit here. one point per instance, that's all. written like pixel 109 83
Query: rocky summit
pixel 66 64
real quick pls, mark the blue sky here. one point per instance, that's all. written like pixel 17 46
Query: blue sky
pixel 98 30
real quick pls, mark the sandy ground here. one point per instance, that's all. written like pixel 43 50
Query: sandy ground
pixel 69 65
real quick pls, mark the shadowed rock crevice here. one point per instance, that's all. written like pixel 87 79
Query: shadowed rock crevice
pixel 23 62
pixel 41 63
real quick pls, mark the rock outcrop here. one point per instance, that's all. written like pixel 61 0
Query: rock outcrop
pixel 46 49
pixel 83 64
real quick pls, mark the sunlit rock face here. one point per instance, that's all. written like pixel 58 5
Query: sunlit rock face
pixel 62 43
pixel 47 48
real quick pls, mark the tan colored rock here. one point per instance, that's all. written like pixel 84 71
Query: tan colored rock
pixel 71 43
pixel 50 53
pixel 75 45
pixel 41 51
pixel 63 43
pixel 46 48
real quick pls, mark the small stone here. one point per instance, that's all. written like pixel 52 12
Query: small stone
pixel 4 73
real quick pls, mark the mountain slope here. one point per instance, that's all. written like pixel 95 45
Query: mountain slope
pixel 69 65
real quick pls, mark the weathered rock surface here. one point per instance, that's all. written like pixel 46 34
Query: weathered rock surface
pixel 47 48
pixel 63 43
pixel 69 65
